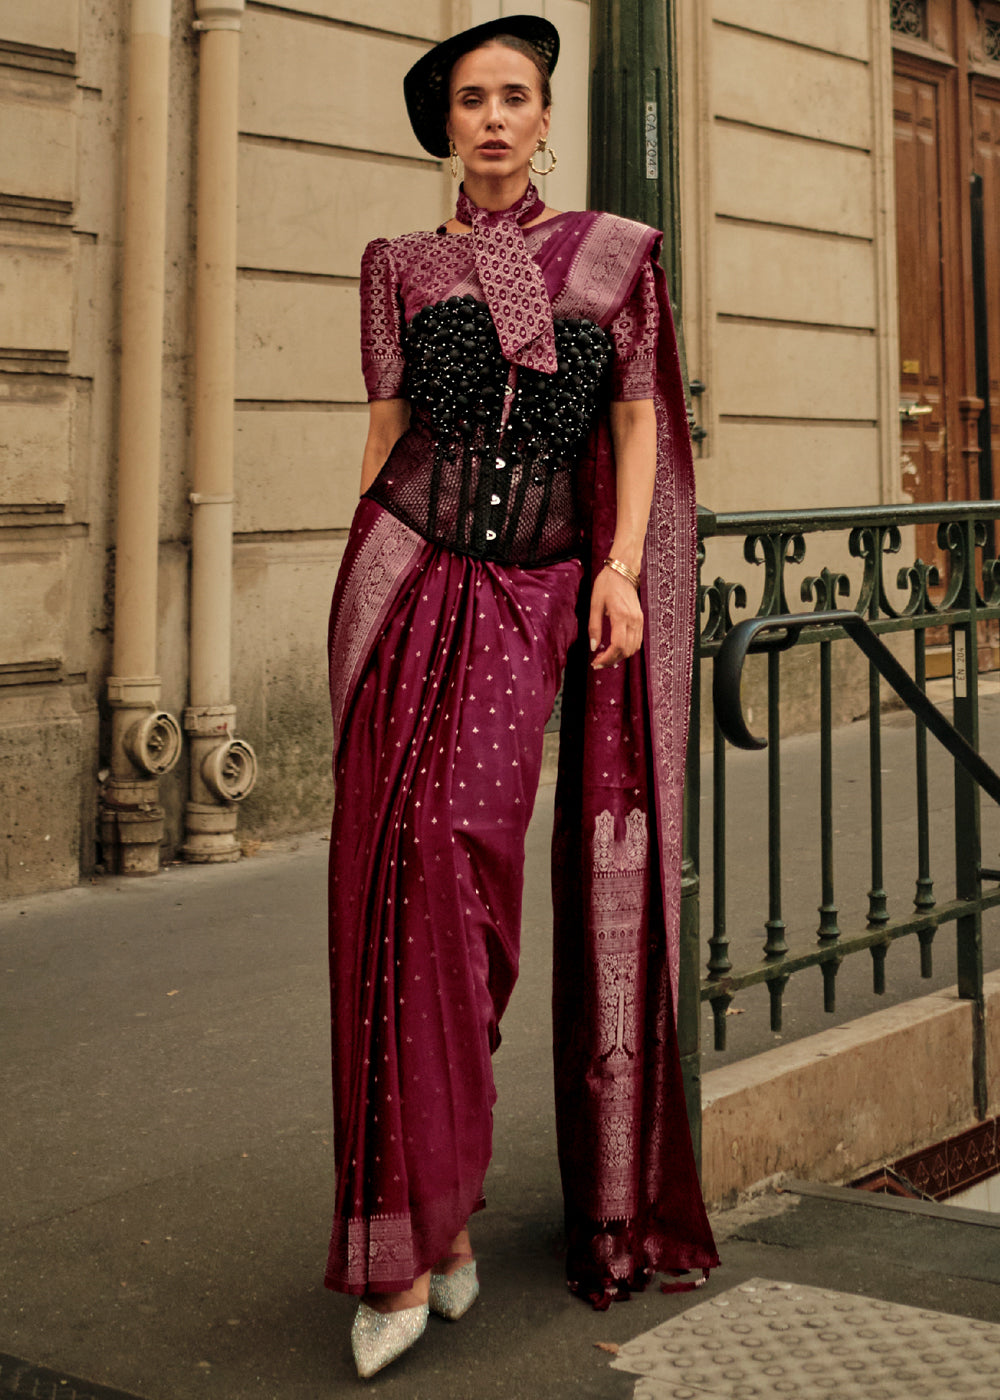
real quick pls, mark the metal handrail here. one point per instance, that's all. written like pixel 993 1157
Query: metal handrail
pixel 751 635
pixel 837 517
pixel 861 588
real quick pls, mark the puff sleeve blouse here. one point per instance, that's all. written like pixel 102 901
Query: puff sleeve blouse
pixel 487 464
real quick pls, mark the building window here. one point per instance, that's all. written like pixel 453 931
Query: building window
pixel 909 17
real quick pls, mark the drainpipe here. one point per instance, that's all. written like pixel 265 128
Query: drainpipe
pixel 145 741
pixel 223 768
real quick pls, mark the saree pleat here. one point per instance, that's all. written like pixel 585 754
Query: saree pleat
pixel 437 765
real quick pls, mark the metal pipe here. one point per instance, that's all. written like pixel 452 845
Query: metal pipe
pixel 924 897
pixel 829 930
pixel 981 323
pixel 223 769
pixel 145 742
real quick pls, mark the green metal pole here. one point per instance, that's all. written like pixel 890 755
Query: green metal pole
pixel 968 830
pixel 634 161
pixel 634 171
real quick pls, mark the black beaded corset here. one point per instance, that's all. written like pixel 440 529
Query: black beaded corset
pixel 486 466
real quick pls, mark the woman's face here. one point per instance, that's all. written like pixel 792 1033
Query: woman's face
pixel 496 117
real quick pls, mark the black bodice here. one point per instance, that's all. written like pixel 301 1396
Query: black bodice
pixel 471 473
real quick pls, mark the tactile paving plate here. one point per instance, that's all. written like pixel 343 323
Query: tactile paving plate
pixel 765 1339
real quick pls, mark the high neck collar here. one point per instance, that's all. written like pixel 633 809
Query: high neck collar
pixel 529 206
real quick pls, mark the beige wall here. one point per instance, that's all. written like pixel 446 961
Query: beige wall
pixel 323 169
pixel 49 584
pixel 788 302
pixel 789 299
pixel 62 75
pixel 326 162
pixel 789 296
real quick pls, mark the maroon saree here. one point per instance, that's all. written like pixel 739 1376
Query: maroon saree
pixel 630 1184
pixel 443 672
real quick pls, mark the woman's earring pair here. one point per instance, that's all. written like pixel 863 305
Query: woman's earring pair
pixel 545 149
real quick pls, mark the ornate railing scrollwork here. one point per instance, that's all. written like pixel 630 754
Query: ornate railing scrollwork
pixel 717 601
pixel 870 544
pixel 774 551
pixel 920 578
pixel 915 591
pixel 823 589
pixel 952 538
pixel 953 599
pixel 991 583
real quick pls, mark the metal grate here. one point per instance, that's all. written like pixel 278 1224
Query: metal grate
pixel 991 40
pixel 909 17
pixel 19 1377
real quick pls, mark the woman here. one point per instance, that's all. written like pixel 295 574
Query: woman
pixel 526 411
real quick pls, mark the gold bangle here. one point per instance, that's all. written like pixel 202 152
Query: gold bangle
pixel 624 570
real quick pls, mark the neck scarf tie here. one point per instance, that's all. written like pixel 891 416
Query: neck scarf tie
pixel 512 281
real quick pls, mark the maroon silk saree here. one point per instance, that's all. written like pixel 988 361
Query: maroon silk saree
pixel 443 671
pixel 632 1196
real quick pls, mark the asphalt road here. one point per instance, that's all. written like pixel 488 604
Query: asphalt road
pixel 167 1166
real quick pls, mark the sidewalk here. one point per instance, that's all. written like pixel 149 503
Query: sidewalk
pixel 167 1171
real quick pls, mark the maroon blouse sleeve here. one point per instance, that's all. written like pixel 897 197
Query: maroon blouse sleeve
pixel 634 331
pixel 381 322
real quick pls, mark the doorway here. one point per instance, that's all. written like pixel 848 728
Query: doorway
pixel 946 108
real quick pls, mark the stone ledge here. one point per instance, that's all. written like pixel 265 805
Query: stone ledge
pixel 42 743
pixel 831 1105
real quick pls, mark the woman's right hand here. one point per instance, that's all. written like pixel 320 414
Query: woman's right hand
pixel 614 598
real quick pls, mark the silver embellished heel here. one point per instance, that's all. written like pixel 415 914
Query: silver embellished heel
pixel 378 1338
pixel 452 1295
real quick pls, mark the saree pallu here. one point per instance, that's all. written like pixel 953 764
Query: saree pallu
pixel 444 670
pixel 632 1196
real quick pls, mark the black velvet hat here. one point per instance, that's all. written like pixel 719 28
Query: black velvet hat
pixel 425 86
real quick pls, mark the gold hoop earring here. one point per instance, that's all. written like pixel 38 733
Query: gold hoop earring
pixel 547 150
pixel 453 157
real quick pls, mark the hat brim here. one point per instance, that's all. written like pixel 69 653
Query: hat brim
pixel 425 86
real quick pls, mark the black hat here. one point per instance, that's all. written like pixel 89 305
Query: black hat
pixel 425 86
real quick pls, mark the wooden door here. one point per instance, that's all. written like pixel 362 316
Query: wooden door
pixel 946 72
pixel 923 233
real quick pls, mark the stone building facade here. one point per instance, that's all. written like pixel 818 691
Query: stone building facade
pixel 789 307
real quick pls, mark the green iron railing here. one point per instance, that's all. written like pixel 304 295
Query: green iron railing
pixel 954 598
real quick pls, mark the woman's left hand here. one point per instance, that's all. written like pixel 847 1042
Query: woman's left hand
pixel 614 598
